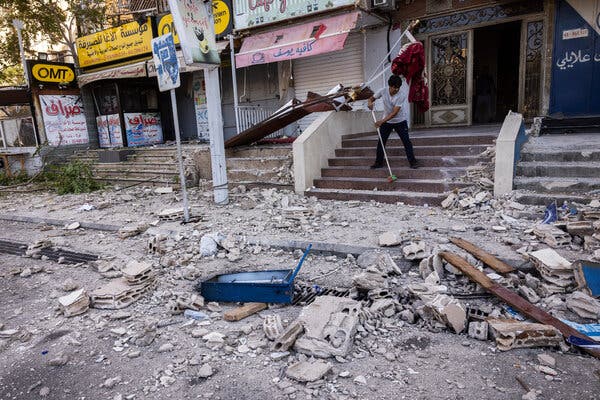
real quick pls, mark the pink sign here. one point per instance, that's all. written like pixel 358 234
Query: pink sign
pixel 305 40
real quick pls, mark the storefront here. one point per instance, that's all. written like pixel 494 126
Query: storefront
pixel 483 59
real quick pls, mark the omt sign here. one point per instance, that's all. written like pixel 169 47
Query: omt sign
pixel 47 72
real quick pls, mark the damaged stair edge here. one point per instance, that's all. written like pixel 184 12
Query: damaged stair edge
pixel 514 300
pixel 338 249
pixel 58 222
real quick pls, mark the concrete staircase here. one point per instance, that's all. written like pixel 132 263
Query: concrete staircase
pixel 561 168
pixel 260 166
pixel 444 156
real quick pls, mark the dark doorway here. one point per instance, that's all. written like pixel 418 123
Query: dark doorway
pixel 496 71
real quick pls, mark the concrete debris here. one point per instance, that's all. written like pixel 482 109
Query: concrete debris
pixel 72 226
pixel 69 285
pixel 138 278
pixel 297 213
pixel 584 305
pixel 478 330
pixel 171 214
pixel 156 244
pixel 308 371
pixel 554 269
pixel 132 230
pixel 580 228
pixel 547 360
pixel 272 326
pixel 329 326
pixel 380 260
pixel 163 190
pixel 390 238
pixel 529 294
pixel 75 303
pixel 448 311
pixel 209 244
pixel 138 273
pixel 512 334
pixel 450 201
pixel 369 280
pixel 546 370
pixel 205 371
pixel 433 263
pixel 415 251
pixel 184 302
pixel 287 339
pixel 552 235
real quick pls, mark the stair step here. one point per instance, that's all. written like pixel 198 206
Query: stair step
pixel 128 171
pixel 239 175
pixel 559 169
pixel 371 141
pixel 382 184
pixel 561 156
pixel 543 199
pixel 382 197
pixel 257 163
pixel 401 161
pixel 557 185
pixel 130 181
pixel 401 172
pixel 420 151
pixel 259 151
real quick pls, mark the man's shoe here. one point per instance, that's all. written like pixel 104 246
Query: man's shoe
pixel 377 165
pixel 414 165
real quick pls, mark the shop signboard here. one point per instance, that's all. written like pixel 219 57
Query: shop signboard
pixel 128 40
pixel 251 13
pixel 166 62
pixel 143 129
pixel 222 15
pixel 109 130
pixel 53 73
pixel 200 107
pixel 64 120
pixel 196 32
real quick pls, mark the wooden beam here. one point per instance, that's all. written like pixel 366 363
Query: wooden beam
pixel 499 266
pixel 244 311
pixel 514 300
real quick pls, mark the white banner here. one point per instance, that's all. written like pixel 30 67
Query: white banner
pixel 64 120
pixel 143 129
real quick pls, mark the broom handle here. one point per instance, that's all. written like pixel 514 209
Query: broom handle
pixel 382 144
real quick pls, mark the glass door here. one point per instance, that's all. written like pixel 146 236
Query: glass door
pixel 450 63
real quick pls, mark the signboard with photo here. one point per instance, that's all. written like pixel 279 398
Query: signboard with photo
pixel 64 120
pixel 165 60
pixel 143 129
pixel 195 30
pixel 222 21
pixel 251 13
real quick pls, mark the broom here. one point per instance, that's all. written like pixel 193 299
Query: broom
pixel 392 177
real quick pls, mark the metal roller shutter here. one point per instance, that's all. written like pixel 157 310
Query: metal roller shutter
pixel 320 73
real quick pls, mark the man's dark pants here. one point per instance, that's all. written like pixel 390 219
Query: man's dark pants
pixel 402 129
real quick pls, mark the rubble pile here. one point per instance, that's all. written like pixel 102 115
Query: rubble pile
pixel 138 278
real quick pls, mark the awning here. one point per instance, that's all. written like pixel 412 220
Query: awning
pixel 137 70
pixel 12 96
pixel 309 39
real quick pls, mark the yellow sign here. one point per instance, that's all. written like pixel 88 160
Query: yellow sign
pixel 165 25
pixel 222 16
pixel 53 73
pixel 112 44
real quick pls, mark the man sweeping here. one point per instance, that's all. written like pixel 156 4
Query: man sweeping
pixel 396 115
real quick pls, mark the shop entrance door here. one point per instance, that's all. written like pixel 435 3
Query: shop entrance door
pixel 451 78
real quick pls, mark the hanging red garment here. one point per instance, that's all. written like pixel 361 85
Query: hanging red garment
pixel 410 63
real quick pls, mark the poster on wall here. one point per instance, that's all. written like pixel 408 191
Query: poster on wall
pixel 196 31
pixel 200 106
pixel 64 120
pixel 143 129
pixel 165 60
pixel 109 131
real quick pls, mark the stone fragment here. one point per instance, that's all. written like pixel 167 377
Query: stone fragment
pixel 329 326
pixel 546 370
pixel 360 380
pixel 214 337
pixel 529 294
pixel 580 228
pixel 163 190
pixel 131 230
pixel 390 238
pixel 205 371
pixel 208 246
pixel 450 201
pixel 69 285
pixel 171 214
pixel 415 251
pixel 26 273
pixel 584 305
pixel 73 226
pixel 478 330
pixel 288 337
pixel 380 260
pixel 547 360
pixel 554 269
pixel 369 280
pixel 511 334
pixel 165 348
pixel 272 326
pixel 308 371
pixel 552 235
pixel 59 361
pixel 75 303
pixel 449 311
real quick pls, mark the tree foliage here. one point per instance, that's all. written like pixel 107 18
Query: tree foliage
pixel 55 21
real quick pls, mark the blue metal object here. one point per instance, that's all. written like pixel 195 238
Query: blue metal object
pixel 588 273
pixel 273 286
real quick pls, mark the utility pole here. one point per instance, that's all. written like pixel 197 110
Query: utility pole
pixel 18 24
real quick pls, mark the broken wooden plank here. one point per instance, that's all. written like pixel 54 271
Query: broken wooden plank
pixel 514 300
pixel 499 266
pixel 244 311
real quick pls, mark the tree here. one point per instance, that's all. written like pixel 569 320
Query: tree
pixel 55 21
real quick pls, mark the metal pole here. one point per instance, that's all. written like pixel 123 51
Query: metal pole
pixel 2 135
pixel 186 211
pixel 234 80
pixel 217 141
pixel 18 24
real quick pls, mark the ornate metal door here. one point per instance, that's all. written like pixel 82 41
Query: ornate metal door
pixel 450 66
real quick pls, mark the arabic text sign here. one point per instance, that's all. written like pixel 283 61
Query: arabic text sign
pixel 166 62
pixel 573 58
pixel 575 33
pixel 196 31
pixel 64 120
pixel 143 129
pixel 109 130
pixel 125 41
pixel 305 40
pixel 250 13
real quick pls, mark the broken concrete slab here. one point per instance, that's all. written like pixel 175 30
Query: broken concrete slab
pixel 308 371
pixel 512 334
pixel 553 268
pixel 580 228
pixel 369 281
pixel 287 339
pixel 552 235
pixel 75 303
pixel 478 330
pixel 390 238
pixel 329 326
pixel 449 311
pixel 584 305
pixel 415 251
pixel 118 294
pixel 132 230
pixel 381 260
pixel 272 326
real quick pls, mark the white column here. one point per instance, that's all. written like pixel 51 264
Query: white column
pixel 217 141
pixel 234 81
